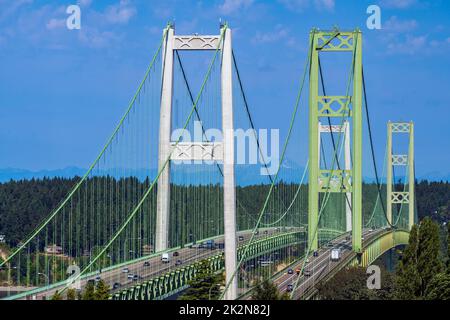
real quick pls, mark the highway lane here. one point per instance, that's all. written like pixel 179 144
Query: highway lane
pixel 319 266
pixel 156 267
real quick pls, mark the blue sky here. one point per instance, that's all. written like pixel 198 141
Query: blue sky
pixel 62 91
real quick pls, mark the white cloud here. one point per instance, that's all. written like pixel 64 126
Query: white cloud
pixel 94 38
pixel 295 5
pixel 53 24
pixel 11 7
pixel 84 3
pixel 324 4
pixel 279 33
pixel 398 26
pixel 412 45
pixel 440 45
pixel 398 4
pixel 120 13
pixel 231 6
pixel 301 5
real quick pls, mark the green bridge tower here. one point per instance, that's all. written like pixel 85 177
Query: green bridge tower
pixel 400 197
pixel 341 108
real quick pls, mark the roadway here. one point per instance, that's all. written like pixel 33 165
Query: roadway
pixel 319 266
pixel 156 267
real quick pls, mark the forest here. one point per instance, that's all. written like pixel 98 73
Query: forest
pixel 23 204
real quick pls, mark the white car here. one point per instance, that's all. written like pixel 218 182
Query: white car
pixel 125 270
pixel 165 258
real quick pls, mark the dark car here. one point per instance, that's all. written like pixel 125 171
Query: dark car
pixel 116 285
pixel 146 264
pixel 136 277
pixel 241 238
pixel 176 254
pixel 179 262
pixel 316 254
pixel 290 271
pixel 289 288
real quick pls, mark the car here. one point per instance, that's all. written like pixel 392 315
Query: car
pixel 146 264
pixel 116 285
pixel 176 254
pixel 289 288
pixel 241 238
pixel 290 271
pixel 256 232
pixel 210 244
pixel 307 273
pixel 307 260
pixel 125 270
pixel 315 253
pixel 178 262
pixel 165 258
pixel 136 277
pixel 98 278
pixel 297 271
pixel 266 232
pixel 130 276
pixel 335 254
pixel 370 230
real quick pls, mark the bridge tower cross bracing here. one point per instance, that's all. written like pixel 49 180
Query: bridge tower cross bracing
pixel 203 151
pixel 343 129
pixel 320 181
pixel 405 197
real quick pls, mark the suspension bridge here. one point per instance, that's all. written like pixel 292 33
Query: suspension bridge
pixel 156 205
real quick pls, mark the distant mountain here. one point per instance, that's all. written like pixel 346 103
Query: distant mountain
pixel 23 174
pixel 245 174
pixel 434 176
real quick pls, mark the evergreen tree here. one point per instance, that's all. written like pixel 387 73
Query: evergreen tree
pixel 439 287
pixel 266 290
pixel 407 286
pixel 89 291
pixel 57 296
pixel 429 261
pixel 448 247
pixel 102 291
pixel 205 286
pixel 71 294
pixel 351 284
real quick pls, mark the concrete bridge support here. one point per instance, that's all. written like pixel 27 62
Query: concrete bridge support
pixel 170 150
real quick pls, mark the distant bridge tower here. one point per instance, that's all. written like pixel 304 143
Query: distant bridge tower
pixel 337 107
pixel 223 151
pixel 406 197
pixel 345 130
